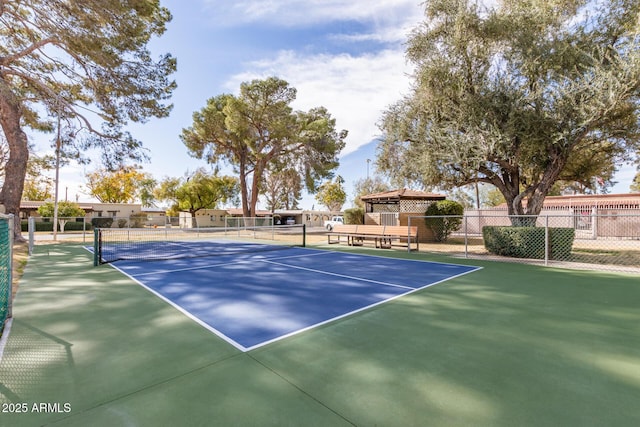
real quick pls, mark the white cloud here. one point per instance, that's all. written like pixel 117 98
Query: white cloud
pixel 355 89
pixel 390 20
pixel 292 13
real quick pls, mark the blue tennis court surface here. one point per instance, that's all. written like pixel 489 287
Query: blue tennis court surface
pixel 255 298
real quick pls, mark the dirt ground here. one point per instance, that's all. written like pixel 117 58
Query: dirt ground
pixel 20 256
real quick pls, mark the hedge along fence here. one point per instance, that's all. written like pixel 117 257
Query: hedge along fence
pixel 71 225
pixel 529 242
pixel 443 218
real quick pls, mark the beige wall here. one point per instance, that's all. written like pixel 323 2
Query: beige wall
pixel 425 235
pixel 114 210
pixel 211 217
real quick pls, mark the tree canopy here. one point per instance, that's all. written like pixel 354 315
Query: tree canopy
pixel 37 185
pixel 199 190
pixel 332 195
pixel 258 131
pixel 65 209
pixel 635 184
pixel 124 185
pixel 282 188
pixel 517 96
pixel 86 63
pixel 369 185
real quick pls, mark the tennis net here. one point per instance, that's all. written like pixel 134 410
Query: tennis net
pixel 112 244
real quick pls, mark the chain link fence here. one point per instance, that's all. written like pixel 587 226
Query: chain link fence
pixel 610 242
pixel 80 229
pixel 6 264
pixel 581 240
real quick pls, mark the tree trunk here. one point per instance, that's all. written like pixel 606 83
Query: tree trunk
pixel 536 200
pixel 243 188
pixel 16 168
pixel 535 195
pixel 509 186
pixel 255 186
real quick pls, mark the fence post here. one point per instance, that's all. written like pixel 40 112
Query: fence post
pixel 31 228
pixel 546 240
pixel 12 224
pixel 466 238
pixel 408 234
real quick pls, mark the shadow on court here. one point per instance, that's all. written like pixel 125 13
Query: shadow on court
pixel 508 345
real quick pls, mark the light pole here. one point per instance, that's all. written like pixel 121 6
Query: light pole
pixel 368 161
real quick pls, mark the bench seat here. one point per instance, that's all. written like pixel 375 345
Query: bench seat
pixel 384 236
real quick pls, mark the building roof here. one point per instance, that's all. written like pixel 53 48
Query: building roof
pixel 240 212
pixel 602 201
pixel 29 204
pixel 401 194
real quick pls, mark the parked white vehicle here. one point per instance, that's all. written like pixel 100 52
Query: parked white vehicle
pixel 336 220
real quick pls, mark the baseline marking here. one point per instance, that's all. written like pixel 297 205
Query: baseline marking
pixel 184 311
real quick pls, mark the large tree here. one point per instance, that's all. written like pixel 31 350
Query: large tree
pixel 38 185
pixel 366 186
pixel 199 190
pixel 513 95
pixel 86 63
pixel 66 210
pixel 124 185
pixel 257 128
pixel 282 188
pixel 332 195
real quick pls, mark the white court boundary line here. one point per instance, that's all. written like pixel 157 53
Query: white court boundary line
pixel 242 348
pixel 344 276
pixel 324 322
pixel 184 311
pixel 5 336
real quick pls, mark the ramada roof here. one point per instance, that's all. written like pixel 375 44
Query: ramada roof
pixel 402 194
pixel 602 201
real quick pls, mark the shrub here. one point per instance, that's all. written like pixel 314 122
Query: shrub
pixel 48 226
pixel 122 223
pixel 138 220
pixel 40 226
pixel 76 226
pixel 451 213
pixel 102 222
pixel 354 216
pixel 528 242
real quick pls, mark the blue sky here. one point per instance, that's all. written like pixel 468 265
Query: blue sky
pixel 345 55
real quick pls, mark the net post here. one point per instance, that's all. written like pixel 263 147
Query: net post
pixel 96 247
pixel 304 235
